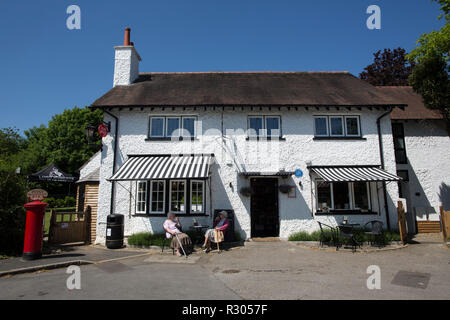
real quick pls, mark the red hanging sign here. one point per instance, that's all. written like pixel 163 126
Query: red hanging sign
pixel 103 130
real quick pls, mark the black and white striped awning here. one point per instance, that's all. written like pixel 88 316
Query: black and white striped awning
pixel 148 167
pixel 353 173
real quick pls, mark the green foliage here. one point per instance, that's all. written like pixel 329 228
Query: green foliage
pixel 146 239
pixel 12 193
pixel 390 68
pixel 63 142
pixel 430 77
pixel 69 201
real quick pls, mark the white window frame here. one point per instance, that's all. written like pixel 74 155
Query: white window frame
pixel 369 200
pixel 151 196
pixel 358 125
pixel 265 126
pixel 342 125
pixel 164 127
pixel 317 181
pixel 167 127
pixel 195 126
pixel 326 125
pixel 170 195
pixel 145 196
pixel 203 197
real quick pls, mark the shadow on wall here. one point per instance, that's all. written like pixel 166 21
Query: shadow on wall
pixel 444 195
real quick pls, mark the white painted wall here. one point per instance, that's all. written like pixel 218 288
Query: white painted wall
pixel 298 149
pixel 428 151
pixel 91 165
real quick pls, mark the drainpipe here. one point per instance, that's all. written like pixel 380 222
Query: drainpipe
pixel 380 143
pixel 116 139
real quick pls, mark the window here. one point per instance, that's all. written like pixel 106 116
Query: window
pixel 177 196
pixel 343 196
pixel 141 197
pixel 197 191
pixel 398 134
pixel 352 126
pixel 173 126
pixel 402 187
pixel 264 126
pixel 321 126
pixel 273 126
pixel 157 196
pixel 337 126
pixel 255 126
pixel 323 196
pixel 168 127
pixel 157 127
pixel 361 196
pixel 188 127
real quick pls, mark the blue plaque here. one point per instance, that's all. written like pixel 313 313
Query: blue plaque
pixel 298 173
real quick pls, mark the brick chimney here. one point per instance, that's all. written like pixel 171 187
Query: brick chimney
pixel 126 63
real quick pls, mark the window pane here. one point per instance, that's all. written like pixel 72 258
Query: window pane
pixel 323 195
pixel 321 126
pixel 340 196
pixel 273 126
pixel 189 127
pixel 141 197
pixel 361 195
pixel 157 127
pixel 352 126
pixel 173 124
pixel 400 156
pixel 197 196
pixel 256 125
pixel 336 126
pixel 177 196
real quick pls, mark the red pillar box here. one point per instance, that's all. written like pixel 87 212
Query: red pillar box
pixel 32 246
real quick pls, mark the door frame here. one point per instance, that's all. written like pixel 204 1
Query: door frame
pixel 278 204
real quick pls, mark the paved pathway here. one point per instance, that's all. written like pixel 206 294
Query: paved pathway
pixel 263 270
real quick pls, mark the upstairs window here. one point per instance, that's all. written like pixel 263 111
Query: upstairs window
pixel 264 126
pixel 169 127
pixel 398 135
pixel 337 126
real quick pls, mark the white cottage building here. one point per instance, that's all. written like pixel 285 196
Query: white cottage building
pixel 283 150
pixel 422 154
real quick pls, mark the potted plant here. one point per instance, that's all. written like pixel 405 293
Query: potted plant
pixel 246 191
pixel 284 188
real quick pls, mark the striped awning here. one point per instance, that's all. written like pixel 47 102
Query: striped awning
pixel 353 173
pixel 147 167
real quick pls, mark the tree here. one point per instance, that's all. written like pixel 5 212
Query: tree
pixel 431 76
pixel 12 192
pixel 63 142
pixel 390 68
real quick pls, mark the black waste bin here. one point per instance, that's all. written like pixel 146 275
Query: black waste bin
pixel 114 231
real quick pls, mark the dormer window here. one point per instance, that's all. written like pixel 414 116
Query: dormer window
pixel 264 126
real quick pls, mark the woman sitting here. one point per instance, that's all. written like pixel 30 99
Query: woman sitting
pixel 173 230
pixel 220 224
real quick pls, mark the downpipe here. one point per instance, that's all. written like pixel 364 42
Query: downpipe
pixel 116 139
pixel 380 143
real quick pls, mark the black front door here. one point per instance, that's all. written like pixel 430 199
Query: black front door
pixel 264 207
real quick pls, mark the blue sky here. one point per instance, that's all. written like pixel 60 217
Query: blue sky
pixel 46 68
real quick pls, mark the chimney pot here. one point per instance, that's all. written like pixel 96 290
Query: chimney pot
pixel 126 40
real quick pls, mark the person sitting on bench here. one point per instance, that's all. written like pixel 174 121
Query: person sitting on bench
pixel 173 230
pixel 220 224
